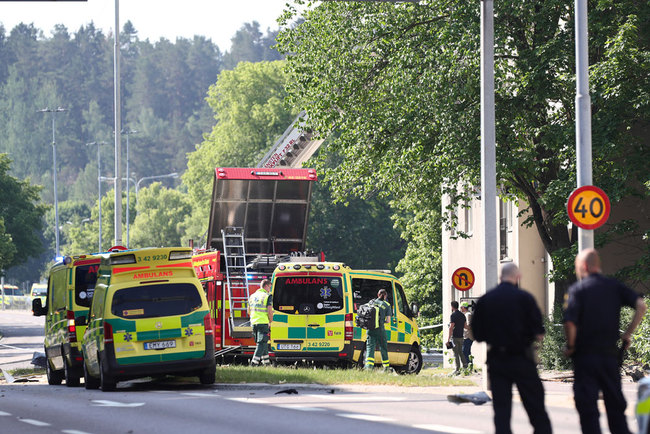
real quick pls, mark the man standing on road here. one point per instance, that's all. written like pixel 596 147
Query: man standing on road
pixel 260 311
pixel 377 337
pixel 509 321
pixel 468 337
pixel 591 324
pixel 456 328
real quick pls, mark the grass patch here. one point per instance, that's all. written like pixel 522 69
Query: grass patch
pixel 23 372
pixel 281 375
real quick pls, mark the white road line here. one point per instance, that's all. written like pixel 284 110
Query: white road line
pixel 103 403
pixel 359 399
pixel 73 431
pixel 4 413
pixel 368 417
pixel 34 422
pixel 249 400
pixel 201 395
pixel 299 407
pixel 13 348
pixel 447 429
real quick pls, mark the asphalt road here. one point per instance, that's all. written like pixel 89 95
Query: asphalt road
pixel 175 406
pixel 22 337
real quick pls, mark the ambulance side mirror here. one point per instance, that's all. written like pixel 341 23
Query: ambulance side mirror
pixel 415 310
pixel 37 307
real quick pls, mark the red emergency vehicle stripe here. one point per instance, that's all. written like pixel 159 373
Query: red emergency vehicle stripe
pixel 118 270
pixel 86 261
pixel 181 264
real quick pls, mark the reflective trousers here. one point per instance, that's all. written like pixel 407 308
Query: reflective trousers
pixel 376 338
pixel 261 332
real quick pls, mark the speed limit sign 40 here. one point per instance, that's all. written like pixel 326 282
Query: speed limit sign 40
pixel 588 207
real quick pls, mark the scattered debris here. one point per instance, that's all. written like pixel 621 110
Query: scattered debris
pixel 39 359
pixel 478 398
pixel 287 391
pixel 8 377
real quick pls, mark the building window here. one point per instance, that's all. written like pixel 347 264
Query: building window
pixel 469 222
pixel 505 227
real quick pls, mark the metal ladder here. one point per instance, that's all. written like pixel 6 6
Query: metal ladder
pixel 235 257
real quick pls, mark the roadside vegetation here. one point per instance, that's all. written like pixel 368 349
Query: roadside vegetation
pixel 306 375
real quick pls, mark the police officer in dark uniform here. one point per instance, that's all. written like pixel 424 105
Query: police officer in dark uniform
pixel 509 321
pixel 591 323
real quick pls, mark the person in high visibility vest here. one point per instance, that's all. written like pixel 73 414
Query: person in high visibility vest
pixel 377 337
pixel 260 311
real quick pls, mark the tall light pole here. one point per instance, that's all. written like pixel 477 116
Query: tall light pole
pixel 128 133
pixel 137 184
pixel 99 191
pixel 56 200
pixel 118 141
pixel 583 114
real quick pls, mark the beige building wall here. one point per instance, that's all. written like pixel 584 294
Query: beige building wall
pixel 523 247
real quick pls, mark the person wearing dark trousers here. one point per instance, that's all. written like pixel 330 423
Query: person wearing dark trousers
pixel 456 328
pixel 591 323
pixel 510 322
pixel 468 337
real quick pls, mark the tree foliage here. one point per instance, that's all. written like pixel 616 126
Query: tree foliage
pixel 399 83
pixel 249 109
pixel 20 217
pixel 160 215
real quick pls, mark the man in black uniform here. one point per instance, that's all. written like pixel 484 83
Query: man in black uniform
pixel 591 324
pixel 509 321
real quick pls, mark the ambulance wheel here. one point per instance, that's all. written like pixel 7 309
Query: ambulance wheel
pixel 71 377
pixel 90 383
pixel 208 376
pixel 105 381
pixel 361 363
pixel 414 362
pixel 54 378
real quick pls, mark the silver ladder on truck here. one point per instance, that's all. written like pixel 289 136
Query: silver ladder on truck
pixel 235 257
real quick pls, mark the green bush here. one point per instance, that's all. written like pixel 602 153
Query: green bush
pixel 639 351
pixel 551 353
pixel 431 338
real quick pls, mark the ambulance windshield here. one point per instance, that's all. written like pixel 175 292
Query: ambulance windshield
pixel 156 300
pixel 85 277
pixel 308 294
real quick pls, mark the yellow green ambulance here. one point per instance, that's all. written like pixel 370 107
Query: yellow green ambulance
pixel 149 316
pixel 70 289
pixel 315 304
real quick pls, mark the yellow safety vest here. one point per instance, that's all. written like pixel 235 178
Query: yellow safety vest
pixel 258 302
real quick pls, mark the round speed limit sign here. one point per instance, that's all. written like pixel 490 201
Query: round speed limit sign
pixel 588 207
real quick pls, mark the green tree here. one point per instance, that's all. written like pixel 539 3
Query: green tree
pixel 21 216
pixel 250 114
pixel 160 214
pixel 400 85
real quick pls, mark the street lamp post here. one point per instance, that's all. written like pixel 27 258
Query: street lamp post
pixel 99 191
pixel 56 201
pixel 137 185
pixel 128 133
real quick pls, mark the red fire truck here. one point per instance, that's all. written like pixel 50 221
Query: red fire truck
pixel 258 218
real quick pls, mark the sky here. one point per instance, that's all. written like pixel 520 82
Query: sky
pixel 153 19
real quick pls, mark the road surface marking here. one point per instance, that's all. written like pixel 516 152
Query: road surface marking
pixel 201 394
pixel 249 400
pixel 447 429
pixel 102 403
pixel 368 417
pixel 34 422
pixel 299 407
pixel 14 348
pixel 73 431
pixel 359 399
pixel 3 413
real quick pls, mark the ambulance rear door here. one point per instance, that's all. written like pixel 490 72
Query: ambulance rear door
pixel 310 312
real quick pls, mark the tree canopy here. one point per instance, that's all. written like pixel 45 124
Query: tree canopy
pixel 399 83
pixel 21 214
